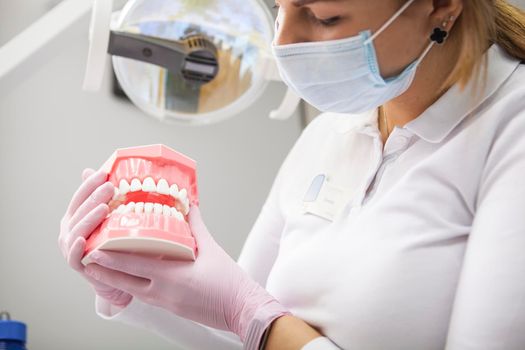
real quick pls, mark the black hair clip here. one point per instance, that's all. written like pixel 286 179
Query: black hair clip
pixel 439 35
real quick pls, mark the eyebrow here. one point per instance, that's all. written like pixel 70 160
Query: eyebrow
pixel 300 3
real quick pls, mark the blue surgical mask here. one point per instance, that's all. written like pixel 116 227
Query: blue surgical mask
pixel 343 75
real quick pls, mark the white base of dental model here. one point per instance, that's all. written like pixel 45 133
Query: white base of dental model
pixel 147 246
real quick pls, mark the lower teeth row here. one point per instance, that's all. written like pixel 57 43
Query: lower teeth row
pixel 154 208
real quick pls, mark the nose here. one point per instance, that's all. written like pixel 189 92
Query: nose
pixel 288 30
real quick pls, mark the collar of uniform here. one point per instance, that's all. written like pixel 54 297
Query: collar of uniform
pixel 445 114
pixel 365 123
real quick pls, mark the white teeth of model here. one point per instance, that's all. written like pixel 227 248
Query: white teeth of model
pixel 135 185
pixel 157 208
pixel 186 204
pixel 163 187
pixel 149 185
pixel 116 194
pixel 139 207
pixel 123 187
pixel 130 207
pixel 183 195
pixel 121 209
pixel 166 210
pixel 148 208
pixel 174 191
pixel 177 214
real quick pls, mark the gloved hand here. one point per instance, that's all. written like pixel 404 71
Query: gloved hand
pixel 212 290
pixel 87 209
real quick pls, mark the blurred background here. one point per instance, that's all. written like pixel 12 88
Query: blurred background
pixel 50 130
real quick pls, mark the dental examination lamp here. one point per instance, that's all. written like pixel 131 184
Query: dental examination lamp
pixel 183 61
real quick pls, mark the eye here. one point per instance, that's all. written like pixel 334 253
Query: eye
pixel 329 21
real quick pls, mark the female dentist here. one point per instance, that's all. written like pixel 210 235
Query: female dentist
pixel 395 222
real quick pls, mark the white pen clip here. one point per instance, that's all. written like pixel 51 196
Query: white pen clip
pixel 325 199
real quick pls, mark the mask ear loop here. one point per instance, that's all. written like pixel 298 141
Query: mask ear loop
pixel 438 36
pixel 389 22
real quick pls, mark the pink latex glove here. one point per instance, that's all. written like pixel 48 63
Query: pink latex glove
pixel 87 209
pixel 213 290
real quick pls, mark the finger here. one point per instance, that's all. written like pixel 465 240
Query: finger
pixel 194 216
pixel 114 296
pixel 198 228
pixel 83 192
pixel 131 264
pixel 102 194
pixel 76 253
pixel 102 289
pixel 62 237
pixel 89 223
pixel 87 173
pixel 119 280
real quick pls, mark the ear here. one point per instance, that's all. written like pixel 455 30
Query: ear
pixel 445 13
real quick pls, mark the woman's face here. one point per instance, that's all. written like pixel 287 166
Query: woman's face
pixel 399 45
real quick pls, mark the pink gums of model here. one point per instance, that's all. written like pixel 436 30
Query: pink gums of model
pixel 154 187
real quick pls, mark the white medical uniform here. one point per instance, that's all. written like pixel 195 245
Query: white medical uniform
pixel 428 251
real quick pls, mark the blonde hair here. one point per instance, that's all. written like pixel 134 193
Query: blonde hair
pixel 482 23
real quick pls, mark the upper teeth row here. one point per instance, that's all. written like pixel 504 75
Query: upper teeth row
pixel 149 185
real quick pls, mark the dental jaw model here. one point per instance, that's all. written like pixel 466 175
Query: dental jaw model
pixel 154 188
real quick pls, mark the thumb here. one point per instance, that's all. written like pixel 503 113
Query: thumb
pixel 87 173
pixel 197 226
